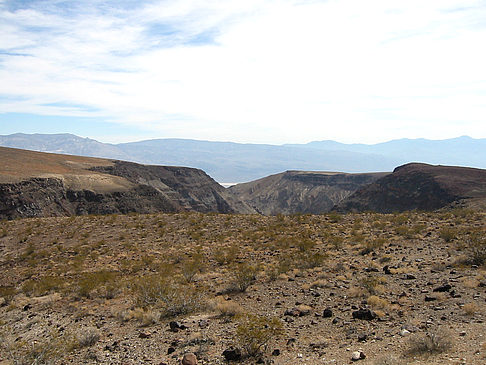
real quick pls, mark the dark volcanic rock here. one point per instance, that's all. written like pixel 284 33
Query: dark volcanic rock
pixel 364 313
pixel 419 186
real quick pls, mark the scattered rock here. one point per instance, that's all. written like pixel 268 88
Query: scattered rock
pixel 276 352
pixel 232 354
pixel 327 313
pixel 404 332
pixel 362 337
pixel 170 350
pixel 189 359
pixel 365 314
pixel 299 311
pixel 358 355
pixel 176 326
pixel 443 288
pixel 144 335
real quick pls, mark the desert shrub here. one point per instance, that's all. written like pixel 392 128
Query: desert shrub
pixel 255 332
pixel 172 298
pixel 404 231
pixel 373 245
pixel 448 234
pixel 244 275
pixel 305 244
pixel 226 255
pixel 191 267
pixel 310 260
pixel 41 352
pixel 334 217
pixel 88 337
pixel 42 286
pixel 101 281
pixel 7 293
pixel 373 284
pixel 336 242
pixel 434 342
pixel 146 317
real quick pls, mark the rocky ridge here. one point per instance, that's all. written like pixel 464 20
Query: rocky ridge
pixel 35 184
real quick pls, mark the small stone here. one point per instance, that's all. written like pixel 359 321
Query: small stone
pixel 232 354
pixel 170 350
pixel 189 359
pixel 276 352
pixel 327 313
pixel 356 355
pixel 362 337
pixel 443 288
pixel 175 326
pixel 404 332
pixel 143 335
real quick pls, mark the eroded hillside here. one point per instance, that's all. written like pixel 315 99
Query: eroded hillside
pixel 36 184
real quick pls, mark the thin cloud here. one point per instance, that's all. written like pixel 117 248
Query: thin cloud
pixel 260 71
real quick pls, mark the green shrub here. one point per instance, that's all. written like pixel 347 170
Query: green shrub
pixel 244 275
pixel 173 299
pixel 255 332
pixel 448 234
pixel 42 286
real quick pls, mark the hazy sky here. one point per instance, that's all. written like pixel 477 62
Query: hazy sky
pixel 272 71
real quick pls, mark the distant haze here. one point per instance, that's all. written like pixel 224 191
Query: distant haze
pixel 247 71
pixel 233 162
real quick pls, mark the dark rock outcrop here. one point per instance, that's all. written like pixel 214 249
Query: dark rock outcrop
pixel 418 186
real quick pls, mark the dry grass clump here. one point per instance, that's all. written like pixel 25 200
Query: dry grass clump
pixel 376 302
pixel 226 308
pixel 88 337
pixel 431 343
pixel 470 308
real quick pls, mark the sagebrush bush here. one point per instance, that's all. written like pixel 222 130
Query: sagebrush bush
pixel 434 342
pixel 88 337
pixel 244 275
pixel 255 332
pixel 172 298
pixel 448 234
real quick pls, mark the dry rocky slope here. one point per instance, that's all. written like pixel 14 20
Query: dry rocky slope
pixel 293 192
pixel 422 187
pixel 35 184
pixel 385 289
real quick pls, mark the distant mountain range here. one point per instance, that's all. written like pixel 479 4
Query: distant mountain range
pixel 229 162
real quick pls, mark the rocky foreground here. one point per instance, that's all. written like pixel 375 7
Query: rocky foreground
pixel 211 289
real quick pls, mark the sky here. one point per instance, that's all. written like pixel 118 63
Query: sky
pixel 252 71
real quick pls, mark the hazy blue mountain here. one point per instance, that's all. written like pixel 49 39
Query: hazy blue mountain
pixel 63 143
pixel 461 151
pixel 237 162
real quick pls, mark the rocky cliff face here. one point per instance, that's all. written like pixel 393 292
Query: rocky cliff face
pixel 301 192
pixel 35 184
pixel 421 187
